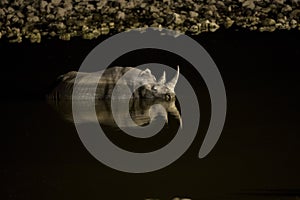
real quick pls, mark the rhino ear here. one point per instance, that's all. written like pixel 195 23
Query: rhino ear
pixel 145 72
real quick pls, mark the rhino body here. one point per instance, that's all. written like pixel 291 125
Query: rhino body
pixel 151 90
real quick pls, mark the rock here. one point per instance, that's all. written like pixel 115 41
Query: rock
pixel 50 17
pixel 155 15
pixel 17 40
pixel 52 34
pixel 129 5
pixel 209 13
pixel 20 15
pixel 228 23
pixel 266 10
pixel 91 7
pixel 49 7
pixel 268 29
pixel 9 16
pixel 269 22
pixel 293 23
pixel 193 14
pixel 295 14
pixel 153 9
pixel 104 30
pixel 159 20
pixel 279 1
pixel 65 36
pixel 61 26
pixel 33 19
pixel 68 6
pixel 85 28
pixel 11 10
pixel 88 36
pixel 168 2
pixel 35 37
pixel 15 19
pixel 3 2
pixel 96 33
pixel 36 31
pixel 221 3
pixel 2 12
pixel 43 5
pixel 169 18
pixel 249 4
pixel 213 26
pixel 111 25
pixel 120 15
pixel 194 29
pixel 253 28
pixel 61 12
pixel 55 2
pixel 279 25
pixel 101 4
pixel 178 19
pixel 287 8
pixel 282 21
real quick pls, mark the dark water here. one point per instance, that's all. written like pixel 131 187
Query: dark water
pixel 257 156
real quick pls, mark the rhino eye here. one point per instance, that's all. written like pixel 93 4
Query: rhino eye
pixel 154 88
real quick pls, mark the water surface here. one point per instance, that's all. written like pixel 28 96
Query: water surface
pixel 257 156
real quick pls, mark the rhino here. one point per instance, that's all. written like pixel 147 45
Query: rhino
pixel 152 89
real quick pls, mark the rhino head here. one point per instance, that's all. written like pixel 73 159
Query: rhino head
pixel 158 88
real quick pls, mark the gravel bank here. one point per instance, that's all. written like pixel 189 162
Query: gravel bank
pixel 36 20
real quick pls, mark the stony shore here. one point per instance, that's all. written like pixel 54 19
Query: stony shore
pixel 37 20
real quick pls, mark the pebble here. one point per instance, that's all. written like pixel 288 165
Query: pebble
pixel 60 12
pixel 178 19
pixel 19 14
pixel 65 36
pixel 169 18
pixel 193 14
pixel 35 37
pixel 43 5
pixel 55 2
pixel 269 22
pixel 295 14
pixel 293 23
pixel 153 9
pixel 228 23
pixel 194 29
pixel 249 4
pixel 287 8
pixel 104 30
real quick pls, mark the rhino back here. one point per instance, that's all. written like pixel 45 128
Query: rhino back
pixel 105 86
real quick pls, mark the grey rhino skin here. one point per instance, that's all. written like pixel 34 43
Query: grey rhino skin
pixel 153 89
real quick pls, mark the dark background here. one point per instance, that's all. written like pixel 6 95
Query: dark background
pixel 257 156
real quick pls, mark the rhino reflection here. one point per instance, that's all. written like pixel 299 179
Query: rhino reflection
pixel 141 111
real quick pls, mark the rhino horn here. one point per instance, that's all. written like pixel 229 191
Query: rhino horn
pixel 172 83
pixel 162 79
